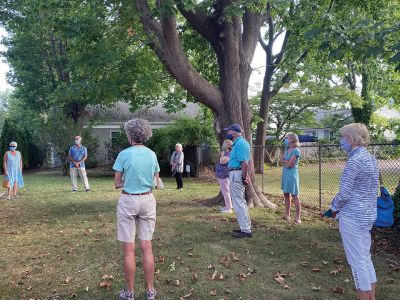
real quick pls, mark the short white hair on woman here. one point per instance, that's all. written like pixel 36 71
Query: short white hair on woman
pixel 138 130
pixel 225 144
pixel 14 144
pixel 357 132
pixel 179 146
pixel 294 137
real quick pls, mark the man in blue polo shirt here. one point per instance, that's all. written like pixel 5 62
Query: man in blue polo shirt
pixel 77 156
pixel 238 165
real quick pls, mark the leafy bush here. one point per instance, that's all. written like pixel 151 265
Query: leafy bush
pixel 186 131
pixel 61 133
pixel 32 154
pixel 118 143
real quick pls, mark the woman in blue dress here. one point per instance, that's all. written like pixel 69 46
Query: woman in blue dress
pixel 13 170
pixel 290 175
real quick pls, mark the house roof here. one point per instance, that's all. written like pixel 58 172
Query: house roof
pixel 121 113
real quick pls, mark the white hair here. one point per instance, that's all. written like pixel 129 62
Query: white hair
pixel 13 143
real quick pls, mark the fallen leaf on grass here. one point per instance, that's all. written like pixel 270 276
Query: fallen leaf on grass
pixel 177 282
pixel 156 272
pixel 86 289
pixel 334 272
pixel 286 287
pixel 234 257
pixel 347 280
pixel 304 263
pixel 242 276
pixel 247 251
pixel 316 288
pixel 210 266
pixel 316 270
pixel 221 277
pixel 213 293
pixel 338 290
pixel 107 277
pixel 279 279
pixel 25 273
pixel 29 288
pixel 161 259
pixel 325 263
pixel 194 277
pixel 187 295
pixel 214 274
pixel 74 295
pixel 105 284
pixel 67 279
pixel 88 231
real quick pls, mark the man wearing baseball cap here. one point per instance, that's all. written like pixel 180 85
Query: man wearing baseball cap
pixel 238 165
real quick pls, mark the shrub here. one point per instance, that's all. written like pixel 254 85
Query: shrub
pixel 32 154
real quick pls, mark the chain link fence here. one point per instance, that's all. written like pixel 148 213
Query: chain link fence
pixel 320 168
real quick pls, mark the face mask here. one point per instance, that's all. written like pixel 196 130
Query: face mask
pixel 77 142
pixel 229 136
pixel 12 148
pixel 345 145
pixel 286 142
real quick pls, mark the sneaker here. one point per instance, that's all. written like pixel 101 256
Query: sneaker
pixel 125 295
pixel 87 190
pixel 150 295
pixel 236 231
pixel 74 191
pixel 226 211
pixel 240 235
pixel 298 221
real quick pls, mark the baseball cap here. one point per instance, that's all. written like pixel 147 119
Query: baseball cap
pixel 234 127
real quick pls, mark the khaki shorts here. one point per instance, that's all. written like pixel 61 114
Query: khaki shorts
pixel 136 215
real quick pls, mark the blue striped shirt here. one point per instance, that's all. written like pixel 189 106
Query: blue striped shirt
pixel 358 189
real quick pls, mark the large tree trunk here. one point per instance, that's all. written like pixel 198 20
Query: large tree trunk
pixel 234 40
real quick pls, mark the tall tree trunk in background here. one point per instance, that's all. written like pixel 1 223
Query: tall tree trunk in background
pixel 234 42
pixel 361 114
pixel 364 113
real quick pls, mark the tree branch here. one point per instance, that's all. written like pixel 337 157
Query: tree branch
pixel 177 63
pixel 251 27
pixel 199 20
pixel 287 77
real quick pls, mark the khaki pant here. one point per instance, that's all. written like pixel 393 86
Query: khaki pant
pixel 136 215
pixel 239 203
pixel 74 178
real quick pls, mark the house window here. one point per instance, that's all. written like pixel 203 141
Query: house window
pixel 114 135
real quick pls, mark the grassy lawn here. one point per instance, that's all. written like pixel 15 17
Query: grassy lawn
pixel 59 245
pixel 309 181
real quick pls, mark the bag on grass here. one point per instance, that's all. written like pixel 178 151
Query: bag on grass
pixel 6 183
pixel 385 209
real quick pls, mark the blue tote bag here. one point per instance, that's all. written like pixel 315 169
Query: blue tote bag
pixel 385 209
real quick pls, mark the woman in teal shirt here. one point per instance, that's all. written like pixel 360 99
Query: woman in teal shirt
pixel 290 175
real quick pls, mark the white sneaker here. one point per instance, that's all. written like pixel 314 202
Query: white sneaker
pixel 222 208
pixel 226 211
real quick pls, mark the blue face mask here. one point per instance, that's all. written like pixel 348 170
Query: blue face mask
pixel 229 136
pixel 345 145
pixel 12 148
pixel 286 142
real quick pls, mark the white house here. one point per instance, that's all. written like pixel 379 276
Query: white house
pixel 110 120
